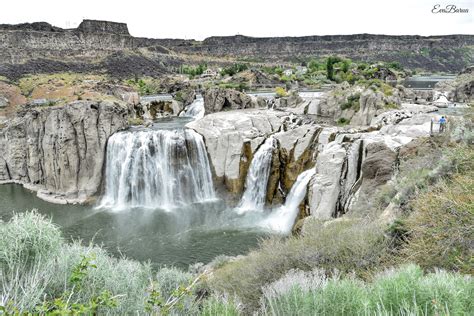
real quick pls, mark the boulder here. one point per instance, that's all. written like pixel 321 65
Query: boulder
pixel 3 102
pixel 218 99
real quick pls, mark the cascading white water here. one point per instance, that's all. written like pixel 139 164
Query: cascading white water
pixel 156 169
pixel 256 182
pixel 283 219
pixel 195 109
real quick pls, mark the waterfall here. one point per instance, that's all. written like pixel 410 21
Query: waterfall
pixel 283 219
pixel 257 178
pixel 195 109
pixel 156 169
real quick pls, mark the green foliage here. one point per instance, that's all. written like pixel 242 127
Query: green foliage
pixel 79 272
pixel 441 226
pixel 386 89
pixel 220 306
pixel 39 271
pixel 345 245
pixel 315 65
pixel 135 121
pixel 144 86
pixel 352 102
pixel 62 305
pixel 425 51
pixel 330 66
pixel 242 86
pixel 391 106
pixel 276 70
pixel 395 65
pixel 168 300
pixel 343 121
pixel 402 291
pixel 233 69
pixel 281 92
pixel 192 71
pixel 27 238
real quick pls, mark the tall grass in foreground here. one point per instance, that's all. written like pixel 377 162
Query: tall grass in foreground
pixel 403 291
pixel 41 274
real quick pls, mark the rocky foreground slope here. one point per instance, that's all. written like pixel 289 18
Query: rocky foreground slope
pixel 101 46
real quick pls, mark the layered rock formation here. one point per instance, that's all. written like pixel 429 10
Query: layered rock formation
pixel 410 51
pixel 60 151
pixel 101 46
pixel 95 46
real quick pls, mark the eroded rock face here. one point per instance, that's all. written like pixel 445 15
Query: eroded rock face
pixel 60 151
pixel 217 99
pixel 232 139
pixel 461 89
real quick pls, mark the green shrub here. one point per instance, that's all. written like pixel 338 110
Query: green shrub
pixel 26 239
pixel 343 244
pixel 192 71
pixel 220 306
pixel 391 106
pixel 441 226
pixel 135 121
pixel 343 121
pixel 352 102
pixel 233 69
pixel 330 66
pixel 281 92
pixel 402 291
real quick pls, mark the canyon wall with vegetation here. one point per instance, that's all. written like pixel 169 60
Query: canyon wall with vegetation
pixel 100 46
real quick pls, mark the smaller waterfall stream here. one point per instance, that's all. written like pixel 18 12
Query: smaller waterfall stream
pixel 283 219
pixel 256 182
pixel 195 109
pixel 156 169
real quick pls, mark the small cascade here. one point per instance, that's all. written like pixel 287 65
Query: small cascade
pixel 156 169
pixel 256 182
pixel 195 109
pixel 283 219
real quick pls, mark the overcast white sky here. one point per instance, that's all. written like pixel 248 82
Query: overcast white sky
pixel 203 18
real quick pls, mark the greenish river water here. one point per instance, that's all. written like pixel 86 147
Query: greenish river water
pixel 181 237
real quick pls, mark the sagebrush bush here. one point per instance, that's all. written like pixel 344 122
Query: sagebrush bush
pixel 26 238
pixel 402 291
pixel 39 270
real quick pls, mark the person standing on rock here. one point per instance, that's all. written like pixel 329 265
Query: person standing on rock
pixel 442 124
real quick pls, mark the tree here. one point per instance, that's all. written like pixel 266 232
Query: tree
pixel 330 66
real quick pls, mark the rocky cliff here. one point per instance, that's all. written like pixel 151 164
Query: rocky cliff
pixel 95 46
pixel 436 53
pixel 59 151
pixel 350 164
pixel 101 46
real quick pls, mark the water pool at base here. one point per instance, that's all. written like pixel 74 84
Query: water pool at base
pixel 181 237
